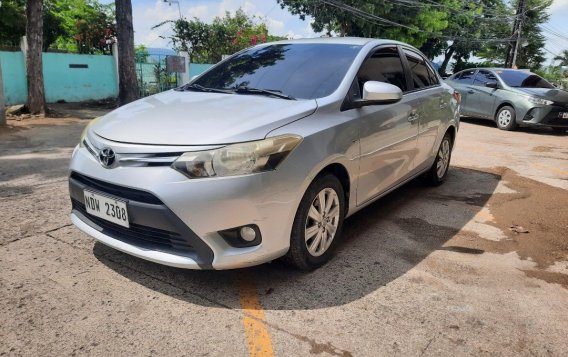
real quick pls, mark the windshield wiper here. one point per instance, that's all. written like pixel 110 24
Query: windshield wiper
pixel 200 88
pixel 267 92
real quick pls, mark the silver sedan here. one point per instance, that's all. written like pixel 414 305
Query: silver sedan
pixel 263 155
pixel 511 97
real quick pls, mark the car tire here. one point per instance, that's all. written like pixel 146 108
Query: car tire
pixel 439 170
pixel 506 118
pixel 312 223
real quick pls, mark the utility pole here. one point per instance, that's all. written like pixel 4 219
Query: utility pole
pixel 519 18
pixel 175 2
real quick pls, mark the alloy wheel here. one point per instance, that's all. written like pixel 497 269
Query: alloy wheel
pixel 443 158
pixel 322 222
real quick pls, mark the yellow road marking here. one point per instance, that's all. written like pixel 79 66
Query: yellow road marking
pixel 258 338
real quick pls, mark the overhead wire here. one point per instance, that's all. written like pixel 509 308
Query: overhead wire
pixel 371 17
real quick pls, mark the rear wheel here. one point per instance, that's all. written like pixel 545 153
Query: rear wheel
pixel 506 118
pixel 317 224
pixel 439 169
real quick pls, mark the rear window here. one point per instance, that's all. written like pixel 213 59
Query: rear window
pixel 305 71
pixel 422 75
pixel 515 78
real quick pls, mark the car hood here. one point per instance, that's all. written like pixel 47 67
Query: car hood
pixel 195 118
pixel 556 95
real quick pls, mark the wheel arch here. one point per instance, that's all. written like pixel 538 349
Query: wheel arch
pixel 501 105
pixel 339 171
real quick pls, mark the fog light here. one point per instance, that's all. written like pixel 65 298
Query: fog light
pixel 248 234
pixel 243 236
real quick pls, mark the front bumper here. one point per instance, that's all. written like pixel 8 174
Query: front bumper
pixel 174 221
pixel 546 116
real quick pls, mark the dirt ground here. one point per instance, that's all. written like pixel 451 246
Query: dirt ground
pixel 477 266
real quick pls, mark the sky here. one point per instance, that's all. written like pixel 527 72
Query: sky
pixel 147 13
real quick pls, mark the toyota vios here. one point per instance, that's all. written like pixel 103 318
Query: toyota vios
pixel 511 98
pixel 263 155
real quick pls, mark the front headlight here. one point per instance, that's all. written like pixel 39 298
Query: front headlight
pixel 540 101
pixel 85 131
pixel 237 159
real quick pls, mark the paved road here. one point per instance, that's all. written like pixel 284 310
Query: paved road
pixel 424 271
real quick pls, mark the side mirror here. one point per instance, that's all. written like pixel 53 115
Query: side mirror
pixel 493 85
pixel 375 93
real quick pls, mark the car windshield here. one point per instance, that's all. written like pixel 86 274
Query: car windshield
pixel 303 71
pixel 514 78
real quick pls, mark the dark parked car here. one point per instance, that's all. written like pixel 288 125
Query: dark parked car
pixel 511 97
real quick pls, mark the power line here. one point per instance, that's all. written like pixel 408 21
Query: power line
pixel 371 17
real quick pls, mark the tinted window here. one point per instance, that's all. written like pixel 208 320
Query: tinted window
pixel 465 77
pixel 421 75
pixel 484 77
pixel 305 71
pixel 515 78
pixel 383 66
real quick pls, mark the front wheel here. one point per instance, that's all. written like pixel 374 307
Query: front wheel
pixel 317 224
pixel 506 118
pixel 439 169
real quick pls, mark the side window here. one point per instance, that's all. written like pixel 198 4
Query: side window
pixel 421 75
pixel 466 77
pixel 484 77
pixel 383 66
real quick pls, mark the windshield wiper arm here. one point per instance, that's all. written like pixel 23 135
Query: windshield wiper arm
pixel 267 92
pixel 200 88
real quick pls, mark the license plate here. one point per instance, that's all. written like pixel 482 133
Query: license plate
pixel 107 208
pixel 563 115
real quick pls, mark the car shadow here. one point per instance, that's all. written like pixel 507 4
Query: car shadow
pixel 381 243
pixel 529 130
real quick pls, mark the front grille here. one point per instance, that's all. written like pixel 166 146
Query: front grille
pixel 120 191
pixel 139 235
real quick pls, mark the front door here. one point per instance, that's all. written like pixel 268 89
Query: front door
pixel 387 132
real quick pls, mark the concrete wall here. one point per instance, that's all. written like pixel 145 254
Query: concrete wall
pixel 14 77
pixel 71 77
pixel 77 78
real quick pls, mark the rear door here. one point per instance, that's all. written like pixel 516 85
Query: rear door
pixel 434 105
pixel 482 100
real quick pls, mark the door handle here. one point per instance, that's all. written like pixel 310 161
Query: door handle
pixel 413 116
pixel 443 105
pixel 471 91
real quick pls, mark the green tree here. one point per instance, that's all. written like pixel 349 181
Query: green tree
pixel 412 21
pixel 141 53
pixel 83 26
pixel 531 47
pixel 226 35
pixel 12 22
pixel 88 25
pixel 563 58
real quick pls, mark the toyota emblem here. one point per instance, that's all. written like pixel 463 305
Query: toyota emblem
pixel 107 157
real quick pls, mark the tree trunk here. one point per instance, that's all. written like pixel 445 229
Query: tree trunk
pixel 2 101
pixel 447 56
pixel 127 81
pixel 34 66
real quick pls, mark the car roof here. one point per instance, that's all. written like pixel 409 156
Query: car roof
pixel 494 69
pixel 359 41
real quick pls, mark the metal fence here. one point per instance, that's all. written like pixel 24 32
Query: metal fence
pixel 153 75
